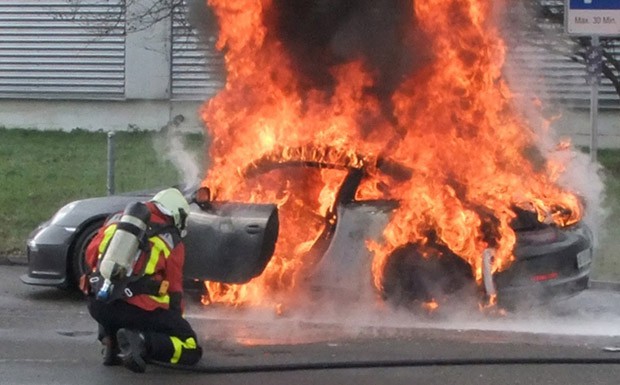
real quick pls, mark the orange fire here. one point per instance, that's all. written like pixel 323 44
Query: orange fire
pixel 430 306
pixel 449 118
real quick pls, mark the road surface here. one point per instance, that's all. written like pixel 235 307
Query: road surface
pixel 47 337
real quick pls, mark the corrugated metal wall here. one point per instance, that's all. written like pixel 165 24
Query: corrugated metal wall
pixel 547 61
pixel 197 67
pixel 561 79
pixel 62 49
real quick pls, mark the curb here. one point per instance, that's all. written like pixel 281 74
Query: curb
pixel 605 285
pixel 12 260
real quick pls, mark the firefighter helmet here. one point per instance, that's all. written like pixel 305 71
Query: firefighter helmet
pixel 172 203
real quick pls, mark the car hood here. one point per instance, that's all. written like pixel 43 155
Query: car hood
pixel 76 212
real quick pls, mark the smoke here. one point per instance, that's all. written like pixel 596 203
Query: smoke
pixel 319 34
pixel 591 314
pixel 170 143
pixel 586 178
pixel 523 32
pixel 201 17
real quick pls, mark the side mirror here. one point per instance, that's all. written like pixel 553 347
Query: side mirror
pixel 203 196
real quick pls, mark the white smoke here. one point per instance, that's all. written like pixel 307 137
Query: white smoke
pixel 170 144
pixel 526 50
pixel 584 315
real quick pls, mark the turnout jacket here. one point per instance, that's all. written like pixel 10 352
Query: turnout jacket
pixel 161 262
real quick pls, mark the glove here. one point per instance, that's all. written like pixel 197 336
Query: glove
pixel 176 302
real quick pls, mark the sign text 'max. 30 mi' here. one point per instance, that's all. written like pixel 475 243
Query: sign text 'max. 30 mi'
pixel 593 17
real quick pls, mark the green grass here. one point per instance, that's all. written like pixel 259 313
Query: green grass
pixel 611 160
pixel 41 171
pixel 607 262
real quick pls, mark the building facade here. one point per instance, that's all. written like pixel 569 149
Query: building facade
pixel 67 64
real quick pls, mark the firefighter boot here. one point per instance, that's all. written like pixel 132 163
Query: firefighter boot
pixel 110 351
pixel 133 349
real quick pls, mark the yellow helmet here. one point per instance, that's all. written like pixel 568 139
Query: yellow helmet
pixel 172 203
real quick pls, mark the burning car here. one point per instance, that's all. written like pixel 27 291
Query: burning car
pixel 231 243
pixel 388 139
pixel 413 99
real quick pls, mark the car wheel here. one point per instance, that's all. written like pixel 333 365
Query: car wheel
pixel 416 273
pixel 77 263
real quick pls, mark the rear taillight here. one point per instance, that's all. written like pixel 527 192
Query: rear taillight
pixel 545 277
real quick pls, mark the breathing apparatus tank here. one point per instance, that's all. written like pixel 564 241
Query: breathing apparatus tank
pixel 123 248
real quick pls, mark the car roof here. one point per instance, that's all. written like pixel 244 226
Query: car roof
pixel 325 157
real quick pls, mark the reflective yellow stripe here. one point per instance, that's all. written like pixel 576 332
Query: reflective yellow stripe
pixel 160 298
pixel 108 233
pixel 159 246
pixel 179 345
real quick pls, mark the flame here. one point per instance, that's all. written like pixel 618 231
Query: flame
pixel 430 306
pixel 450 121
pixel 489 307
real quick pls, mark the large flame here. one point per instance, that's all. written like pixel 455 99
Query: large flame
pixel 448 117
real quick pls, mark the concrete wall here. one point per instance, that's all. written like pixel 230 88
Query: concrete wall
pixel 576 125
pixel 154 114
pixel 97 115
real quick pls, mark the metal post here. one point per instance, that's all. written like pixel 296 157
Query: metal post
pixel 594 103
pixel 110 184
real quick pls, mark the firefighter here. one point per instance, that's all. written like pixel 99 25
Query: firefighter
pixel 139 305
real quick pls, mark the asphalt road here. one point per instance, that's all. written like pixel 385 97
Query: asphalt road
pixel 47 337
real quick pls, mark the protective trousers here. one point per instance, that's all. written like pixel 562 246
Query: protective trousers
pixel 169 337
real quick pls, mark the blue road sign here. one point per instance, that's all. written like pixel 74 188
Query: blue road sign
pixel 592 17
pixel 594 4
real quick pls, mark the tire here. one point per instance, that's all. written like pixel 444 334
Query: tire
pixel 76 265
pixel 410 277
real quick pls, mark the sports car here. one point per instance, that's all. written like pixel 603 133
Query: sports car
pixel 232 242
